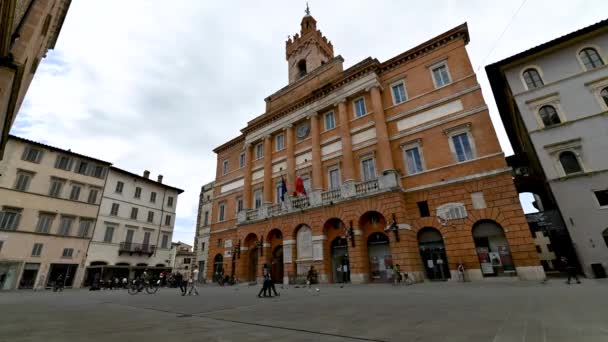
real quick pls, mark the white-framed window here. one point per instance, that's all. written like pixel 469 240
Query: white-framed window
pixel 280 141
pixel 257 198
pixel 32 154
pixel 85 227
pixel 206 220
pixel 461 142
pixel 65 225
pixel 114 209
pixel 137 192
pixel 119 187
pixel 67 253
pixel 37 250
pixel 45 222
pixel 399 93
pixel 75 193
pixel 24 179
pixel 567 156
pixel 599 88
pixel 532 78
pixel 359 107
pixel 569 162
pixel 590 58
pixel 604 96
pixel 239 207
pixel 225 166
pixel 134 212
pixel 130 235
pixel 368 168
pixel 9 218
pixel 221 212
pixel 147 235
pixel 548 115
pixel 330 120
pixel 440 74
pixel 601 197
pixel 414 162
pixel 56 186
pixel 109 234
pixel 63 162
pixel 99 171
pixel 259 151
pixel 548 110
pixel 242 160
pixel 333 174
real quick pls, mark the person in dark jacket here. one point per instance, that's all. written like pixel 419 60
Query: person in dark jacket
pixel 570 269
pixel 265 285
pixel 179 279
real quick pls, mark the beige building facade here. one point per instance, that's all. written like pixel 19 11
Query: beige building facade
pixel 49 199
pixel 28 29
pixel 182 258
pixel 203 227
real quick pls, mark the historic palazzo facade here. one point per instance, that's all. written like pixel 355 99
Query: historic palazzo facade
pixel 400 164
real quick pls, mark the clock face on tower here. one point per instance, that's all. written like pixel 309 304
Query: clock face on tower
pixel 302 130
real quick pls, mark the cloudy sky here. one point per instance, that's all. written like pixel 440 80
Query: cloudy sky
pixel 158 84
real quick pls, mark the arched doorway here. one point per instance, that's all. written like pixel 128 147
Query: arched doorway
pixel 339 260
pixel 432 253
pixel 251 242
pixel 380 259
pixel 492 249
pixel 276 270
pixel 218 266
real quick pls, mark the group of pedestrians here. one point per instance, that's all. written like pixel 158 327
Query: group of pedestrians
pixel 189 286
pixel 268 284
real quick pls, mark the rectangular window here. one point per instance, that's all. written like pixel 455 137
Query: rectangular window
pixel 307 185
pixel 206 221
pixel 65 225
pixel 85 228
pixel 423 209
pixel 221 212
pixel 153 197
pixel 63 163
pixel 23 180
pixel 169 201
pixel 441 77
pixel 67 252
pixel 334 178
pixel 202 246
pixel 114 210
pixel 413 160
pixel 225 166
pixel 119 187
pixel 37 250
pixel 137 192
pixel 56 185
pixel 168 220
pixel 75 193
pixel 280 141
pixel 239 204
pixel 32 154
pixel 129 237
pixel 369 169
pixel 83 168
pixel 9 219
pixel 330 121
pixel 242 160
pixel 150 216
pixel 98 171
pixel 360 107
pixel 259 151
pixel 165 241
pixel 398 91
pixel 45 221
pixel 147 235
pixel 134 213
pixel 109 234
pixel 602 197
pixel 92 196
pixel 462 147
pixel 257 198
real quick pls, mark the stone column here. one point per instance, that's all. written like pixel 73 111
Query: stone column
pixel 268 169
pixel 347 147
pixel 291 158
pixel 289 265
pixel 317 173
pixel 247 177
pixel 385 158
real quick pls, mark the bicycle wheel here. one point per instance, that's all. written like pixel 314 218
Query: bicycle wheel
pixel 132 289
pixel 152 288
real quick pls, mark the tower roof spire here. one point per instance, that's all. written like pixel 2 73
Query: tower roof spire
pixel 307 11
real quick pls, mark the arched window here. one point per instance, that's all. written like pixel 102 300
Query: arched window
pixel 532 78
pixel 605 235
pixel 590 58
pixel 604 95
pixel 569 162
pixel 302 68
pixel 549 116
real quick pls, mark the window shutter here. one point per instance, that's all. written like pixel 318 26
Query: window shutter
pixel 26 150
pixel 17 219
pixel 70 162
pixel 39 156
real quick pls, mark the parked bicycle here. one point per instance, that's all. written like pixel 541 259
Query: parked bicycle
pixel 138 285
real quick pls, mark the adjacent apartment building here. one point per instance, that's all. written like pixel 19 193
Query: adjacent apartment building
pixel 49 200
pixel 553 100
pixel 134 226
pixel 28 29
pixel 182 258
pixel 355 170
pixel 203 222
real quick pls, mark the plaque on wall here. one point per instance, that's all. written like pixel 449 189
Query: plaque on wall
pixel 228 244
pixel 287 254
pixel 302 130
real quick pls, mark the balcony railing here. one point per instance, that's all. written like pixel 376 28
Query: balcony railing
pixel 136 248
pixel 366 187
pixel 276 209
pixel 331 195
pixel 252 214
pixel 300 203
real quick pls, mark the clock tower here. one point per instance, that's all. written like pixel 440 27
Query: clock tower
pixel 308 49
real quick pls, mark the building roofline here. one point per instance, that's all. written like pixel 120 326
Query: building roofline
pixel 57 149
pixel 230 143
pixel 53 41
pixel 114 168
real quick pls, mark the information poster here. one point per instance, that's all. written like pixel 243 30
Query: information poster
pixel 484 260
pixel 495 259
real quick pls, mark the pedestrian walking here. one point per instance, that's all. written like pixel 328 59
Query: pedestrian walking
pixel 179 279
pixel 265 284
pixel 570 270
pixel 310 276
pixel 271 285
pixel 193 279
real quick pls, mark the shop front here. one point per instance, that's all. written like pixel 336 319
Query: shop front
pixel 492 249
pixel 380 258
pixel 9 272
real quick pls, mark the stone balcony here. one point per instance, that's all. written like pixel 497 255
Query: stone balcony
pixel 347 191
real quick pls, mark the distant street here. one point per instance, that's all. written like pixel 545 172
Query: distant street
pixel 506 311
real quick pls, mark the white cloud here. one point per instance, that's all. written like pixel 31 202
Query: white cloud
pixel 147 85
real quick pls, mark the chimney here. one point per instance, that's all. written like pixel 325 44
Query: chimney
pixel 146 174
pixel 160 178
